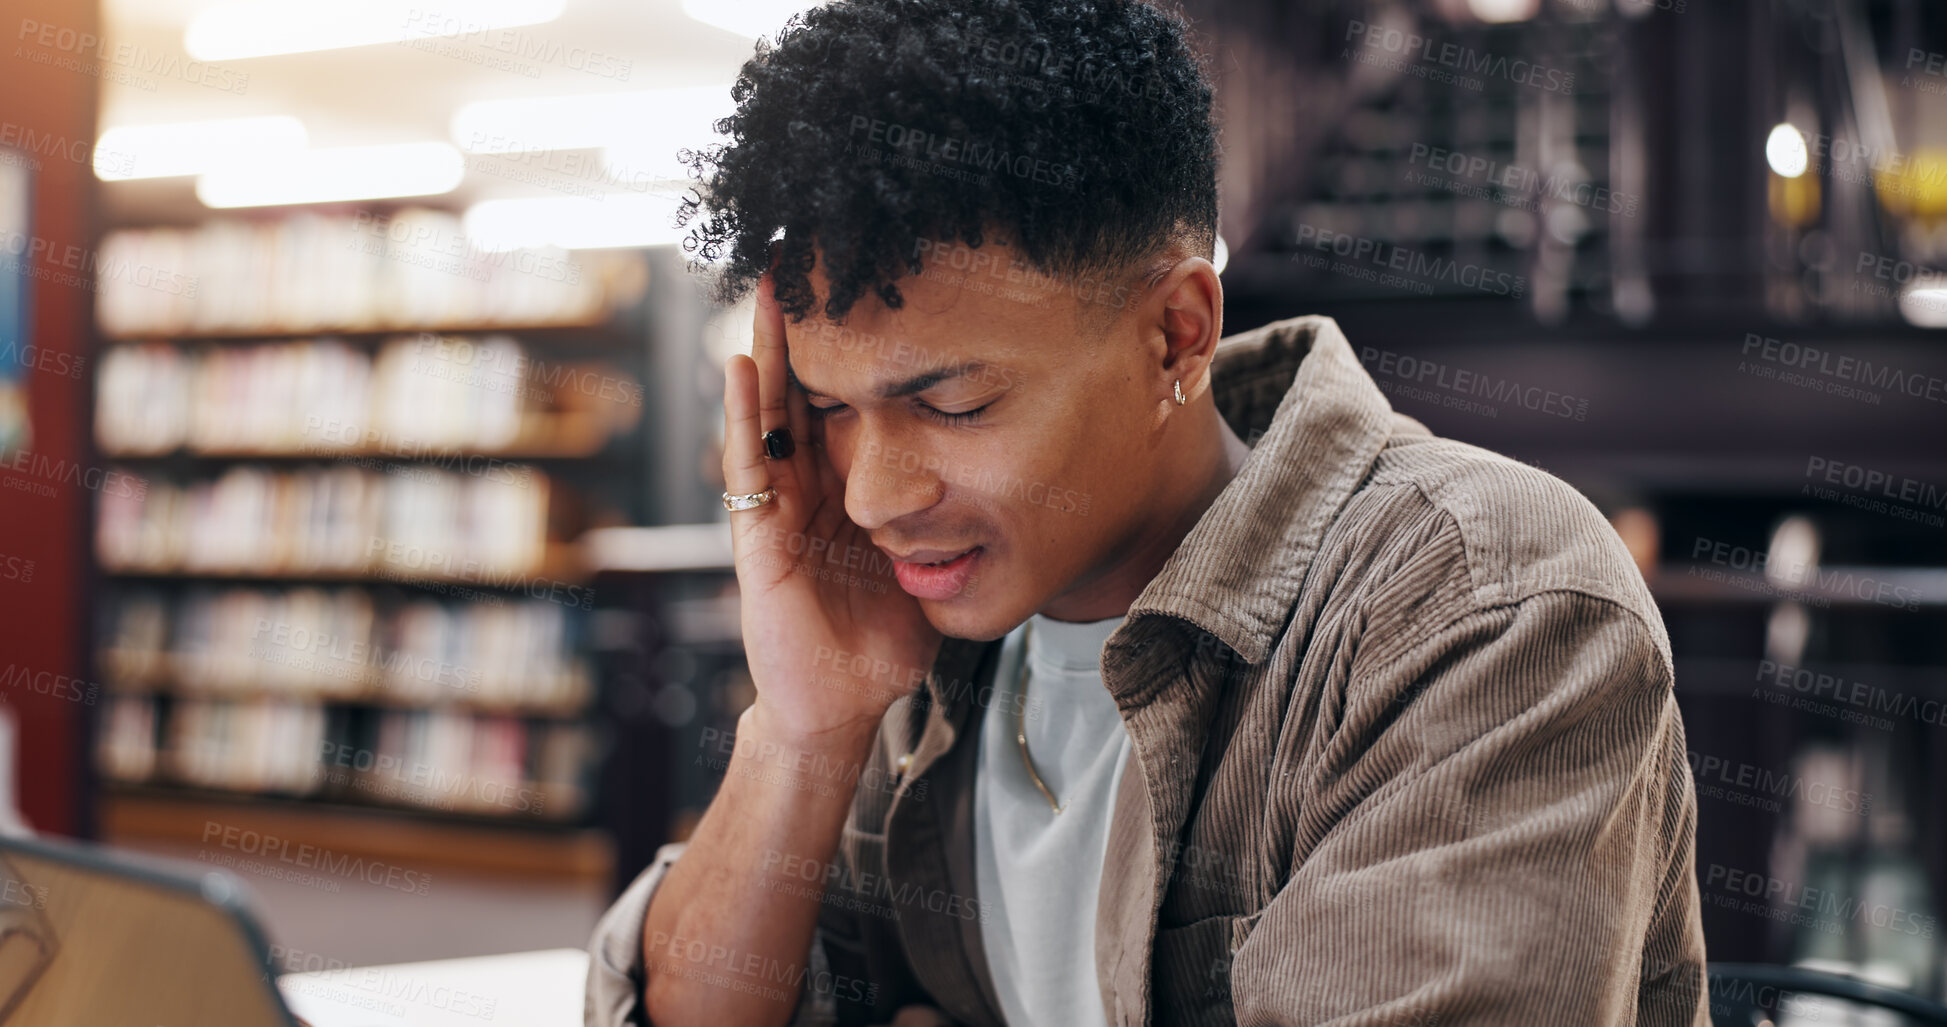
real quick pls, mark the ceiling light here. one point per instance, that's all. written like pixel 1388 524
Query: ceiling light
pixel 1785 151
pixel 329 176
pixel 259 28
pixel 650 153
pixel 750 18
pixel 573 223
pixel 191 147
pixel 644 119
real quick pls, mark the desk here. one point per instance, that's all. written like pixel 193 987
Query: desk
pixel 522 989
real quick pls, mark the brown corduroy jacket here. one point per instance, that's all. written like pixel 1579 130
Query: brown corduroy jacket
pixel 1405 752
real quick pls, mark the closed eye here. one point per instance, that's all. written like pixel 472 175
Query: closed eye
pixel 962 417
pixel 943 416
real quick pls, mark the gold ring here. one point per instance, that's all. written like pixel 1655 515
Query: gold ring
pixel 748 501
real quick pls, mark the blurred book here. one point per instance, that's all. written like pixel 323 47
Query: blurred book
pixel 316 272
pixel 345 645
pixel 423 397
pixel 405 522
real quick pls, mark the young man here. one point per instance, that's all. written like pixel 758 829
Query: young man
pixel 1106 673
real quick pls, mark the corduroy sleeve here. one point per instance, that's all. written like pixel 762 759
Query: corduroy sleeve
pixel 1500 833
pixel 613 994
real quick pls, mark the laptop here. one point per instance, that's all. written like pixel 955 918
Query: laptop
pixel 89 936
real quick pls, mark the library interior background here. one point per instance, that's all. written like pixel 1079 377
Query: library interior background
pixel 360 410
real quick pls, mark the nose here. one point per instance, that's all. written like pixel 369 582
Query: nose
pixel 885 480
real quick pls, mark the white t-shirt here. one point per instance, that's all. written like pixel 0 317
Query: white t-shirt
pixel 1038 872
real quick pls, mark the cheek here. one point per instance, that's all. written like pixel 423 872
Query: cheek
pixel 1027 492
pixel 1102 439
pixel 975 479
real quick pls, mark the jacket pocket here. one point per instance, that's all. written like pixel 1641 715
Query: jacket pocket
pixel 1190 970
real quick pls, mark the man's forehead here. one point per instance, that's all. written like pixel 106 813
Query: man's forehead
pixel 823 354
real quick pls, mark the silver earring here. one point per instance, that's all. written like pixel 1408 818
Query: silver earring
pixel 1180 400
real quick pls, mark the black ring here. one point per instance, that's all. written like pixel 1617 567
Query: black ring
pixel 778 444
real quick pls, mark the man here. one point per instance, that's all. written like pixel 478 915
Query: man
pixel 1106 673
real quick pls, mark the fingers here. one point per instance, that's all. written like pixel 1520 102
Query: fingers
pixel 743 454
pixel 753 403
pixel 804 462
pixel 768 350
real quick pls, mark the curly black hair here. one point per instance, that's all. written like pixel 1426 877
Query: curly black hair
pixel 1078 130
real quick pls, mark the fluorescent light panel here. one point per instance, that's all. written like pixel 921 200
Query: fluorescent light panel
pixel 191 147
pixel 573 223
pixel 334 175
pixel 260 28
pixel 632 120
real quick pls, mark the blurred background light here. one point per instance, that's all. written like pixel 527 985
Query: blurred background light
pixel 1785 151
pixel 1502 11
pixel 260 28
pixel 574 223
pixel 333 175
pixel 645 126
pixel 192 147
pixel 1793 556
pixel 1924 303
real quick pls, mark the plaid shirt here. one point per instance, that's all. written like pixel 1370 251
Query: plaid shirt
pixel 1405 752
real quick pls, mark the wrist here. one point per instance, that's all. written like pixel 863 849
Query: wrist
pixel 766 724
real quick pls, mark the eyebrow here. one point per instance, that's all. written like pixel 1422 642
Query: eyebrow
pixel 910 386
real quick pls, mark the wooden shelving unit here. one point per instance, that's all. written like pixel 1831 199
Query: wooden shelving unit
pixel 561 563
pixel 374 696
pixel 178 748
pixel 409 839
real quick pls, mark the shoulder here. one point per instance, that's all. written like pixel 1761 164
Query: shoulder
pixel 1464 530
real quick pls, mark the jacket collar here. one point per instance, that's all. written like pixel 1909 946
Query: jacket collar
pixel 1319 422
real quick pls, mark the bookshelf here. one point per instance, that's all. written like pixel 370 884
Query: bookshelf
pixel 345 461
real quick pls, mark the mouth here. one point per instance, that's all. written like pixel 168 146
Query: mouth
pixel 936 573
pixel 929 557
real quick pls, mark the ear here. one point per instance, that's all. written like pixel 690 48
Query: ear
pixel 1186 324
